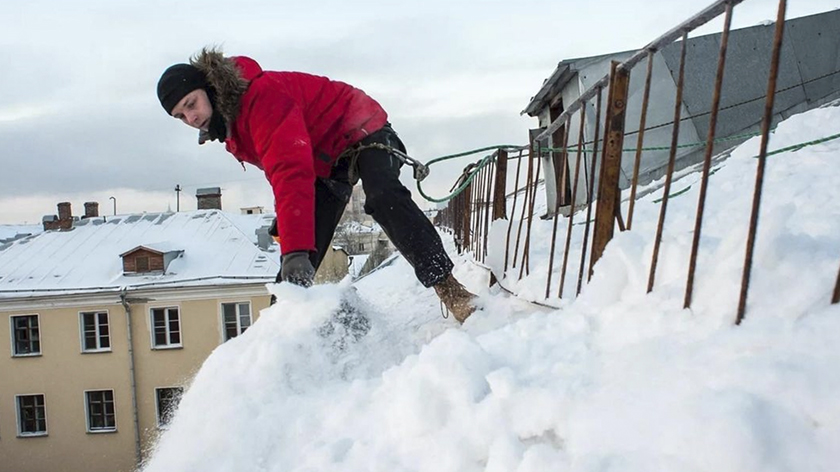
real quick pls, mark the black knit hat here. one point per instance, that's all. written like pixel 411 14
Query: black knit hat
pixel 176 82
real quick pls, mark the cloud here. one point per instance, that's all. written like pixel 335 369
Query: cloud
pixel 79 115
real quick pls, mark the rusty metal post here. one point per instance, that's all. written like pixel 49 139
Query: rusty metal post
pixel 479 180
pixel 451 218
pixel 560 184
pixel 466 221
pixel 640 140
pixel 459 221
pixel 499 197
pixel 707 159
pixel 476 238
pixel 671 163
pixel 512 213
pixel 762 157
pixel 527 197
pixel 590 190
pixel 526 252
pixel 491 171
pixel 564 160
pixel 572 203
pixel 611 164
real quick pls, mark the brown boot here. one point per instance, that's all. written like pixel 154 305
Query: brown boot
pixel 457 299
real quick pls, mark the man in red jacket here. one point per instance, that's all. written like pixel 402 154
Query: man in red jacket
pixel 308 134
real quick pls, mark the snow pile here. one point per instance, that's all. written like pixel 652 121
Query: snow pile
pixel 616 380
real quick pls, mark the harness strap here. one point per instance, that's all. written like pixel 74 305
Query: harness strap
pixel 421 171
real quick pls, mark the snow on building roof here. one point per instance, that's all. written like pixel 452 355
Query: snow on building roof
pixel 357 262
pixel 9 233
pixel 249 224
pixel 160 248
pixel 356 227
pixel 217 250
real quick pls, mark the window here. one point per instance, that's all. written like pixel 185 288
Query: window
pixel 101 412
pixel 166 327
pixel 141 264
pixel 26 338
pixel 167 402
pixel 237 318
pixel 95 333
pixel 32 415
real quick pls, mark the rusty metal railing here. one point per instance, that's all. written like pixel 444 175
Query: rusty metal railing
pixel 595 167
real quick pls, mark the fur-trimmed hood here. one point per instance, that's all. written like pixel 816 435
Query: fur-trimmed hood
pixel 226 77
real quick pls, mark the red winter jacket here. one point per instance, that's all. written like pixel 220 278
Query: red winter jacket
pixel 294 126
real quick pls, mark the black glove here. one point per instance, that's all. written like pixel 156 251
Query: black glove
pixel 297 269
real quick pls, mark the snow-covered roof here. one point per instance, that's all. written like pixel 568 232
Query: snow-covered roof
pixel 219 248
pixel 357 262
pixel 249 224
pixel 9 233
pixel 160 248
pixel 356 227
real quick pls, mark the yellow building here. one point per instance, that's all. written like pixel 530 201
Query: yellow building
pixel 105 324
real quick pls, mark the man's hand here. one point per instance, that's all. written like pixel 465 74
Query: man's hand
pixel 297 269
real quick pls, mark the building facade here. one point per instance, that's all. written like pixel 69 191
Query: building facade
pixel 89 381
pixel 105 323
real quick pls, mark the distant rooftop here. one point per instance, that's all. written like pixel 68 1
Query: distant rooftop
pixel 219 248
pixel 9 233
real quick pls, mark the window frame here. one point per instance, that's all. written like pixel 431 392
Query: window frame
pixel 238 318
pixel 13 345
pixel 97 350
pixel 86 398
pixel 158 416
pixel 170 345
pixel 19 418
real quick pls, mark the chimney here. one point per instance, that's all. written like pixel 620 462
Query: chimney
pixel 64 212
pixel 209 198
pixel 91 210
pixel 64 220
pixel 50 222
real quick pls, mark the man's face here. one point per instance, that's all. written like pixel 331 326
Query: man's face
pixel 194 109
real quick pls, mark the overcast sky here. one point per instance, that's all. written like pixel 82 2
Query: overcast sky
pixel 80 120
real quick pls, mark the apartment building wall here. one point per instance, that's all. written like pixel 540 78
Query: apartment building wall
pixel 63 373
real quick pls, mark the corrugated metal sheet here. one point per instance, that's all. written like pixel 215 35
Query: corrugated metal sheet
pixel 809 76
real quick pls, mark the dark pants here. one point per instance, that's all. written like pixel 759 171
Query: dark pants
pixel 388 202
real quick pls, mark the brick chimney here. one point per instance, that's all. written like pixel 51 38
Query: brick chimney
pixel 64 220
pixel 91 210
pixel 64 212
pixel 209 198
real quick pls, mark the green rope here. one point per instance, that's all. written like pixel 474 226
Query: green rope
pixel 799 146
pixel 486 160
pixel 505 147
pixel 672 195
pixel 481 164
pixel 793 148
